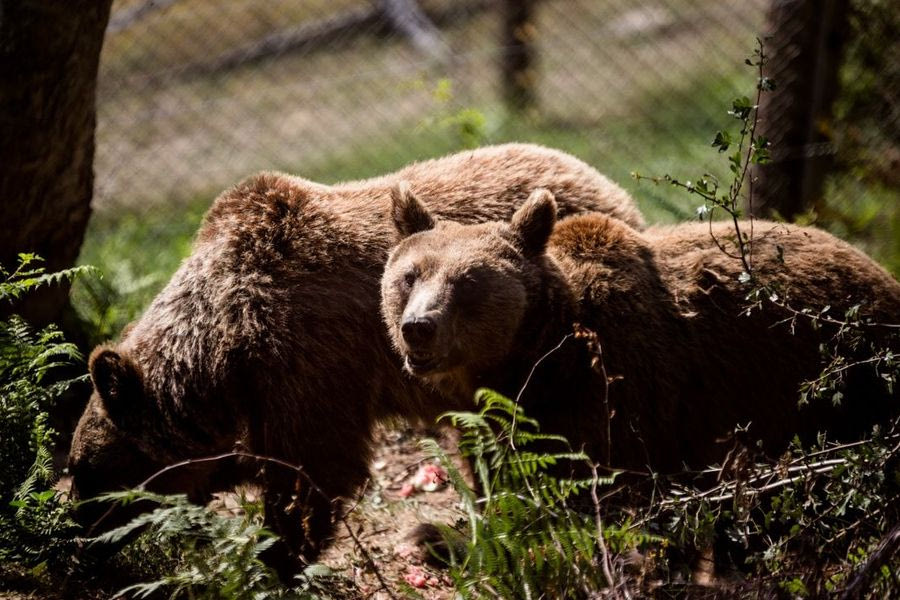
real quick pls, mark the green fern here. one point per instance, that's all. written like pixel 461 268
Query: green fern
pixel 219 556
pixel 527 537
pixel 34 523
pixel 26 359
pixel 27 276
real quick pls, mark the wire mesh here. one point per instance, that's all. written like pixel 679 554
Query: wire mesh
pixel 197 94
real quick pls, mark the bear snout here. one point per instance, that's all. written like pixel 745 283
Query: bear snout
pixel 418 331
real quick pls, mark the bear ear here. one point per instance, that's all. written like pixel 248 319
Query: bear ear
pixel 410 216
pixel 533 222
pixel 117 380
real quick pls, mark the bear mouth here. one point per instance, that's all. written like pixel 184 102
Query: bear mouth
pixel 420 365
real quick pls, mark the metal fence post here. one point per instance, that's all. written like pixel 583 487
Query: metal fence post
pixel 804 49
pixel 517 64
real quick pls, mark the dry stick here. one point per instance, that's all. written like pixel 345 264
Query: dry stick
pixel 512 429
pixel 805 469
pixel 816 468
pixel 829 450
pixel 724 493
pixel 605 376
pixel 359 497
pixel 369 560
pixel 534 367
pixel 750 214
pixel 298 469
pixel 851 445
pixel 885 551
pixel 606 561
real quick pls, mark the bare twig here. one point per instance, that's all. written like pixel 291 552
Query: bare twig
pixel 886 550
pixel 527 381
pixel 800 466
pixel 125 18
pixel 605 560
pixel 368 558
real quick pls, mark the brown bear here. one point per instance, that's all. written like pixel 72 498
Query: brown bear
pixel 493 305
pixel 269 337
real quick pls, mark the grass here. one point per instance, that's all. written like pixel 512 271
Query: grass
pixel 136 254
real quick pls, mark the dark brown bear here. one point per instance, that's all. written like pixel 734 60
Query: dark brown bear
pixel 269 337
pixel 480 305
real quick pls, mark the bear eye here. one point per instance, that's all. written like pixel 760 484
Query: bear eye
pixel 409 279
pixel 467 289
pixel 467 283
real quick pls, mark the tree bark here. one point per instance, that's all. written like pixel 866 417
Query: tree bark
pixel 804 47
pixel 49 54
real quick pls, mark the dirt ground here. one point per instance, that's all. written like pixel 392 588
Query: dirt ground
pixel 383 520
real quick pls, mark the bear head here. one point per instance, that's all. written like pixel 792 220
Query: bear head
pixel 121 441
pixel 455 297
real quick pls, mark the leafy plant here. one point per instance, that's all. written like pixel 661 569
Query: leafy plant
pixel 818 521
pixel 34 523
pixel 743 150
pixel 217 556
pixel 809 524
pixel 527 536
pixel 468 125
pixel 28 276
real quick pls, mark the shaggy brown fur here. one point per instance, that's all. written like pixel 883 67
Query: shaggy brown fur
pixel 479 305
pixel 269 335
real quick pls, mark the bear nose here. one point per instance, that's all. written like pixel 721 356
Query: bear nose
pixel 418 330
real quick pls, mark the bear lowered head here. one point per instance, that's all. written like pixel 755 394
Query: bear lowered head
pixel 122 439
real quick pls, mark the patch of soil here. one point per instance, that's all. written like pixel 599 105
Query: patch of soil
pixel 382 520
pixel 386 511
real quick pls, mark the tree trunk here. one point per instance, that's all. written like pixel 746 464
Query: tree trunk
pixel 804 50
pixel 49 52
pixel 517 67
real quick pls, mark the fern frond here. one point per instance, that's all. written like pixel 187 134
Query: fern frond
pixel 22 281
pixel 526 541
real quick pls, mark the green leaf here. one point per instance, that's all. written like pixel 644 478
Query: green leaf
pixel 722 141
pixel 740 108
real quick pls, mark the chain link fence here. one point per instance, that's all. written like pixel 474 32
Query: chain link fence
pixel 196 94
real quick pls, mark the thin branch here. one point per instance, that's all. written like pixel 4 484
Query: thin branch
pixel 886 550
pixel 534 367
pixel 368 558
pixel 831 372
pixel 605 560
pixel 826 319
